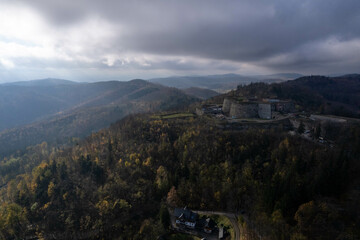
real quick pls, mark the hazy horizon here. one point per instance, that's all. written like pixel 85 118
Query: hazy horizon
pixel 175 76
pixel 158 77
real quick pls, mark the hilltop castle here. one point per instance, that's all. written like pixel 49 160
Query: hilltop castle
pixel 255 109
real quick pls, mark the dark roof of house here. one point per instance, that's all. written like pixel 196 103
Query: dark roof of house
pixel 187 214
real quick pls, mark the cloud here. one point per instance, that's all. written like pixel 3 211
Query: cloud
pixel 7 63
pixel 339 55
pixel 181 37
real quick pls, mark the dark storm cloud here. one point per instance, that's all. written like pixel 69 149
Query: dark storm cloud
pixel 273 34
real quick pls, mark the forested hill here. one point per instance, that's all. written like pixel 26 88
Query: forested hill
pixel 201 93
pixel 325 95
pixel 26 102
pixel 41 82
pixel 115 183
pixel 85 108
pixel 336 95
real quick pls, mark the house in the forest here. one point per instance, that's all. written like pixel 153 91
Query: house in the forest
pixel 185 217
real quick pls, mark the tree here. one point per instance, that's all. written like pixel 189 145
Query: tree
pixel 305 213
pixel 164 216
pixel 172 198
pixel 317 132
pixel 301 128
pixel 13 220
pixel 162 179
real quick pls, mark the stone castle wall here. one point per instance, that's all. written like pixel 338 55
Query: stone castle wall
pixel 265 110
pixel 244 110
pixel 262 110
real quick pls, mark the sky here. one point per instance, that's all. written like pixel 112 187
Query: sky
pixel 88 40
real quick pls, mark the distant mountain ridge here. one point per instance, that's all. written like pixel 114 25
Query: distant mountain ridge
pixel 221 83
pixel 201 93
pixel 25 102
pixel 282 76
pixel 42 82
pixel 56 113
pixel 352 75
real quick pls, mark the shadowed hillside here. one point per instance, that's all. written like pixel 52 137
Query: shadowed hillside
pixel 201 93
pixel 78 114
pixel 26 102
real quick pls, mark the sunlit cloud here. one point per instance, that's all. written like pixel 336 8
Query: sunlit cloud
pixel 7 63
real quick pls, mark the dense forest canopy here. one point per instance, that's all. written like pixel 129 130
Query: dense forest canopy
pixel 115 182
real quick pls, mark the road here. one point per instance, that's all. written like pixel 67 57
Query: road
pixel 231 216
